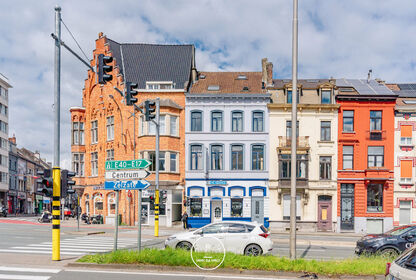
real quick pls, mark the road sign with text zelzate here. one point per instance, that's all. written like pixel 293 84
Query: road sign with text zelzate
pixel 126 185
pixel 126 164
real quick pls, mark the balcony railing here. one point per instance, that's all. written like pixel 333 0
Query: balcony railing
pixel 301 142
pixel 377 135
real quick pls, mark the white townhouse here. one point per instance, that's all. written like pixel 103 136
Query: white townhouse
pixel 226 143
pixel 404 154
pixel 4 142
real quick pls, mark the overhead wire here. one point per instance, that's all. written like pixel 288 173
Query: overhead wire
pixel 75 40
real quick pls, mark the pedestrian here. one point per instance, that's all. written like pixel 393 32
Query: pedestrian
pixel 185 220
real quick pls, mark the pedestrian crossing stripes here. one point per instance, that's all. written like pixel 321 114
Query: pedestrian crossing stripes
pixel 25 273
pixel 27 219
pixel 75 246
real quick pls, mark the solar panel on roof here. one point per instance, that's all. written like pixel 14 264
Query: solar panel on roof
pixel 409 101
pixel 407 86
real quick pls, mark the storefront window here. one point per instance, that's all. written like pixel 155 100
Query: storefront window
pixel 236 207
pixel 196 207
pixel 375 198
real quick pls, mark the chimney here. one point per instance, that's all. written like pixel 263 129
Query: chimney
pixel 194 72
pixel 37 155
pixel 13 139
pixel 369 75
pixel 101 34
pixel 269 71
pixel 263 71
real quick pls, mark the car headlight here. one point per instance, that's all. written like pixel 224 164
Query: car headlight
pixel 170 238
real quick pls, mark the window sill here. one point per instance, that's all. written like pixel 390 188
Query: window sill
pixel 406 145
pixel 325 142
pixel 375 212
pixel 406 184
pixel 165 135
pixel 348 132
pixel 95 176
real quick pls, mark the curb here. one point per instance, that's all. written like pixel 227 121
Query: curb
pixel 230 271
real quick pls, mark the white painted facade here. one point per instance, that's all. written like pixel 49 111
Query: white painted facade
pixel 4 144
pixel 218 187
pixel 404 150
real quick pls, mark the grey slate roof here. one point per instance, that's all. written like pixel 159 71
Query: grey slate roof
pixel 365 88
pixel 406 90
pixel 148 62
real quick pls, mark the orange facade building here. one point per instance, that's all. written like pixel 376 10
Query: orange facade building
pixel 365 156
pixel 104 128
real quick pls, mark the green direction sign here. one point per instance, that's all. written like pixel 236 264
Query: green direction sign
pixel 127 164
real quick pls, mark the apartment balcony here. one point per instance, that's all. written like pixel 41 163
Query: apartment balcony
pixel 376 135
pixel 302 143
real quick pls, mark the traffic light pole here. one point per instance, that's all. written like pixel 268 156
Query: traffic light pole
pixel 116 221
pixel 157 168
pixel 56 203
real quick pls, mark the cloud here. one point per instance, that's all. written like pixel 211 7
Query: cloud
pixel 336 38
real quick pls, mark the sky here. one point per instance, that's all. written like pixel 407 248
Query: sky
pixel 337 38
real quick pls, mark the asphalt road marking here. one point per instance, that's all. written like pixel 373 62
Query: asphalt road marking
pixel 204 276
pixel 9 273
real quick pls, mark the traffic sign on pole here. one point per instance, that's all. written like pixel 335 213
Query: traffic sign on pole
pixel 127 164
pixel 126 185
pixel 119 175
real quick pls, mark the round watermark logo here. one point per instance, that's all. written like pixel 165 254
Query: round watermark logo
pixel 208 253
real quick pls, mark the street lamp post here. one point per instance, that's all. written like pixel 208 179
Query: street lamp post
pixel 294 134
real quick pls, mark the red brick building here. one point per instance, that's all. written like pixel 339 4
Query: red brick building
pixel 365 156
pixel 104 128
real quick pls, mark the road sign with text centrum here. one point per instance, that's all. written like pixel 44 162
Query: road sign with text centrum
pixel 127 164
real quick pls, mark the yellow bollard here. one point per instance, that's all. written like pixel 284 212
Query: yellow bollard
pixel 56 212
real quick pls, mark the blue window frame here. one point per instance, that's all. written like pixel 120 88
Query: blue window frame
pixel 325 97
pixel 289 97
pixel 196 157
pixel 216 121
pixel 196 121
pixel 217 157
pixel 257 157
pixel 258 121
pixel 237 121
pixel 237 157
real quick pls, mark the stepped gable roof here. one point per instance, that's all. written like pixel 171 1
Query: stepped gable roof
pixel 228 82
pixel 153 62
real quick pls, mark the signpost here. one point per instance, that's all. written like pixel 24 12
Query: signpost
pixel 127 164
pixel 125 175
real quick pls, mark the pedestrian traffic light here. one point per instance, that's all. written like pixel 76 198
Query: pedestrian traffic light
pixel 103 69
pixel 67 183
pixel 46 181
pixel 131 91
pixel 150 108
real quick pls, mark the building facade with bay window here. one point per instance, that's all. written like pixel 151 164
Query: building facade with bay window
pixel 316 138
pixel 366 156
pixel 226 142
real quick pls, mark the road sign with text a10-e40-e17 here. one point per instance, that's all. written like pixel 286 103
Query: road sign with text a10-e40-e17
pixel 127 164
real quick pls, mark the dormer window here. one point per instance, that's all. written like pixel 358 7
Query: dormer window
pixel 160 85
pixel 326 97
pixel 241 77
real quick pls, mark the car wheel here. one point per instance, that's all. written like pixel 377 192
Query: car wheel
pixel 253 250
pixel 389 252
pixel 184 245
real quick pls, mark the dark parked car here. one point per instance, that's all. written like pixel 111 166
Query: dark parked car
pixel 392 242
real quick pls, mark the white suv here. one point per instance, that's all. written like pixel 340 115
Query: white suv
pixel 404 267
pixel 245 238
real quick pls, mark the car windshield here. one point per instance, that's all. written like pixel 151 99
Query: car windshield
pixel 408 259
pixel 397 230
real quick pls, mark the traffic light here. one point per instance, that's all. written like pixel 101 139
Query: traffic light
pixel 151 199
pixel 46 181
pixel 130 93
pixel 103 69
pixel 150 108
pixel 66 183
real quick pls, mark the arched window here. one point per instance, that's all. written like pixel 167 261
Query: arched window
pixel 237 121
pixel 216 121
pixel 196 121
